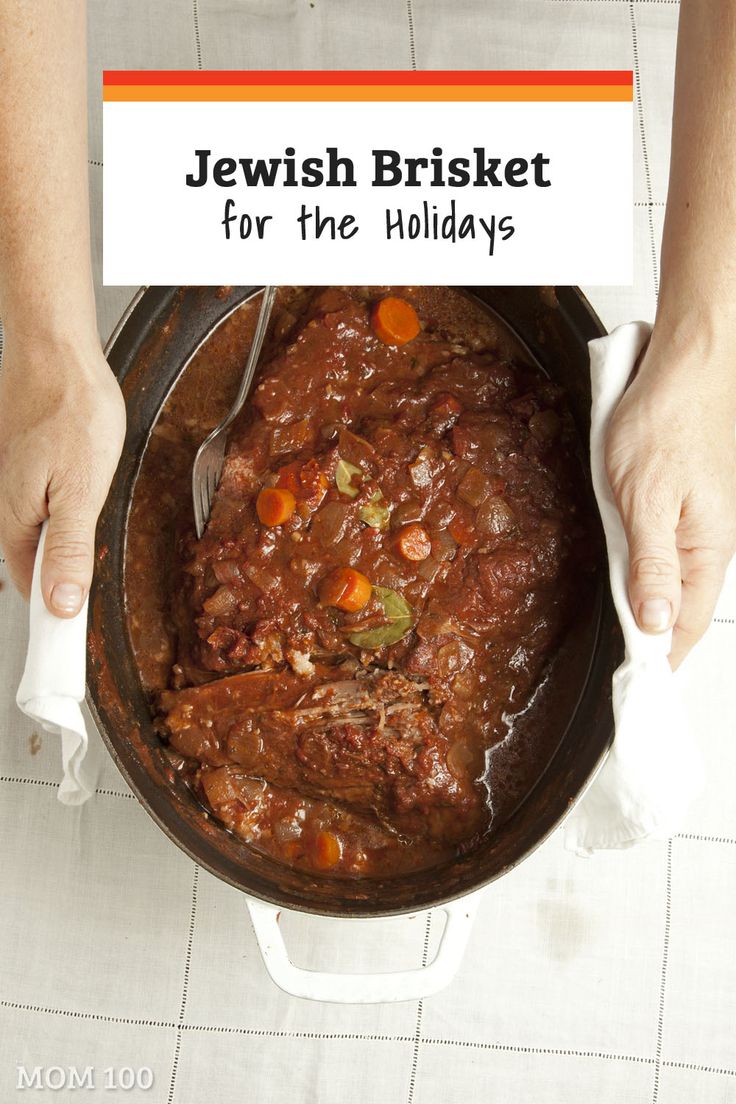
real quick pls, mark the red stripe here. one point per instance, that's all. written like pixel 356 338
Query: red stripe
pixel 197 77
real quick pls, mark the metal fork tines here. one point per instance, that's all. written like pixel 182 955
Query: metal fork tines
pixel 210 458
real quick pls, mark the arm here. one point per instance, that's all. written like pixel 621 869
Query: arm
pixel 671 449
pixel 61 413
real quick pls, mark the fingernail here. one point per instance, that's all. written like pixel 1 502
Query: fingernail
pixel 655 614
pixel 66 597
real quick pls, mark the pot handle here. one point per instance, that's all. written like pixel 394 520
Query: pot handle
pixel 401 985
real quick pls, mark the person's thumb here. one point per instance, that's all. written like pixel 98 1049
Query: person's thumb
pixel 66 571
pixel 654 569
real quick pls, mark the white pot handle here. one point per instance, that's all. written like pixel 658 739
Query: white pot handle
pixel 401 985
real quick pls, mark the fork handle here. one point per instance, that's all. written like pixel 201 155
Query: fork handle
pixel 269 294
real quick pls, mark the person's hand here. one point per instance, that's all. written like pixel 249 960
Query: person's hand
pixel 671 462
pixel 62 424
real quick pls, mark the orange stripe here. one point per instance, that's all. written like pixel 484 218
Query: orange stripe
pixel 356 93
pixel 366 77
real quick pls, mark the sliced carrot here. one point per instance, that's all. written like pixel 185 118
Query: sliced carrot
pixel 275 505
pixel 395 321
pixel 327 850
pixel 346 589
pixel 413 542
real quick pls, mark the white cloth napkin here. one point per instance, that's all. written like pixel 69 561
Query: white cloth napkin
pixel 52 688
pixel 654 769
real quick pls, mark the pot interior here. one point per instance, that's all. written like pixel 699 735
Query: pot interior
pixel 148 352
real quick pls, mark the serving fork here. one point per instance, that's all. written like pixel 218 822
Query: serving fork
pixel 210 458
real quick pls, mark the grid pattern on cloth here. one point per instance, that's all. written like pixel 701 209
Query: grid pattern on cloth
pixel 609 979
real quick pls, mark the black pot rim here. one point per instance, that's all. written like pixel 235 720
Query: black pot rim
pixel 584 319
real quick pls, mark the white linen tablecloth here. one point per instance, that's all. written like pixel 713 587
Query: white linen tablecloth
pixel 609 979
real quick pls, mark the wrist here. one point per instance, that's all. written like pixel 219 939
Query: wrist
pixel 49 315
pixel 691 354
pixel 69 349
pixel 693 324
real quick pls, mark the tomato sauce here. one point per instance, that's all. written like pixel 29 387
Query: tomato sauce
pixel 400 540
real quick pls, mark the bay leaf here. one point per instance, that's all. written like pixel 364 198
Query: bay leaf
pixel 399 617
pixel 344 476
pixel 375 513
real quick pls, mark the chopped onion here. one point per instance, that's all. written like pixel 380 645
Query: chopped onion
pixel 409 510
pixel 444 545
pixel 226 571
pixel 465 684
pixel 329 431
pixel 228 784
pixel 286 830
pixel 440 514
pixel 328 524
pixel 221 603
pixel 495 516
pixel 290 438
pixel 260 576
pixel 496 435
pixel 428 569
pixel 433 624
pixel 355 449
pixel 453 657
pixel 244 745
pixel 474 488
